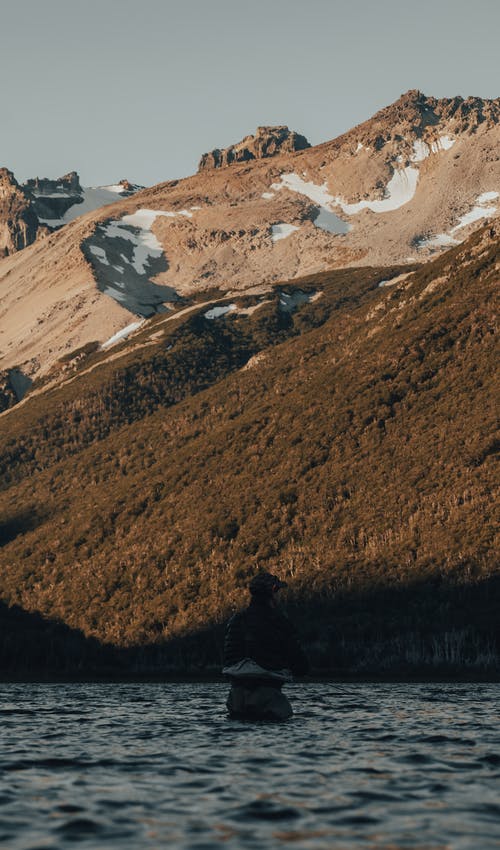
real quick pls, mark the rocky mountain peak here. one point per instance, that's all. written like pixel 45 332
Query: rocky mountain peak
pixel 18 221
pixel 7 182
pixel 266 142
pixel 128 186
pixel 462 115
pixel 416 116
pixel 68 183
pixel 52 198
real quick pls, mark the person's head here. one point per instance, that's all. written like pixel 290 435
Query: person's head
pixel 264 588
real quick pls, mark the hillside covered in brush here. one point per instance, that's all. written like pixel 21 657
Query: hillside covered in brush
pixel 338 431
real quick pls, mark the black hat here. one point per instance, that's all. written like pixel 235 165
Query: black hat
pixel 265 584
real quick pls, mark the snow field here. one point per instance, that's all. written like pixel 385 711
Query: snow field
pixel 482 208
pixel 93 198
pixel 136 228
pixel 288 302
pixel 421 149
pixel 123 334
pixel 281 231
pixel 399 190
pixel 217 312
pixel 100 253
pixel 319 195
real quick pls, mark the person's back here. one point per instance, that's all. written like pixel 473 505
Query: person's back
pixel 261 652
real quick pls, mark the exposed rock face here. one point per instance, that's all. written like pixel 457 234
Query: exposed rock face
pixel 266 142
pixel 68 183
pixel 41 205
pixel 423 116
pixel 52 198
pixel 18 221
pixel 129 188
pixel 408 183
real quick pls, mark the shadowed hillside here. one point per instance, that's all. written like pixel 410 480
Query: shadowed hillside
pixel 355 457
pixel 429 628
pixel 31 644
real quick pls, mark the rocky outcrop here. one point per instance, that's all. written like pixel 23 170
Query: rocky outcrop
pixel 129 188
pixel 267 141
pixel 394 191
pixel 43 185
pixel 41 205
pixel 52 198
pixel 18 221
pixel 416 115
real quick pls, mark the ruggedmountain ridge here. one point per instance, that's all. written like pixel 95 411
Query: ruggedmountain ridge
pixel 400 188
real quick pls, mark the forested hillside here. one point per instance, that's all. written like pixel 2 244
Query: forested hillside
pixel 348 446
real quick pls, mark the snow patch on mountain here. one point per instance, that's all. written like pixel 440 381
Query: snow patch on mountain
pixel 117 188
pixel 217 312
pixel 92 199
pixel 482 208
pixel 421 149
pixel 330 222
pixel 100 253
pixel 123 334
pixel 318 194
pixel 441 240
pixel 144 218
pixel 281 231
pixel 51 222
pixel 146 245
pixel 136 228
pixel 444 143
pixel 126 255
pixel 392 281
pixel 289 301
pixel 399 191
pixel 326 219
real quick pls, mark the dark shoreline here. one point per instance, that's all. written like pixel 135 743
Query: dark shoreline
pixel 316 678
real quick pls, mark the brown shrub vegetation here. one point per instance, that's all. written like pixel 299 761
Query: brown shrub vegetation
pixel 356 459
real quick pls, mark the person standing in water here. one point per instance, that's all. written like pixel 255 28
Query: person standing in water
pixel 261 653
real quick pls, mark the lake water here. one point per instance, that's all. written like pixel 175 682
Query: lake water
pixel 160 765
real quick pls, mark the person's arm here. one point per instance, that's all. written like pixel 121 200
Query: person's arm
pixel 234 641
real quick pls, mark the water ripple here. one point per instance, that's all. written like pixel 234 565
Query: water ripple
pixel 360 766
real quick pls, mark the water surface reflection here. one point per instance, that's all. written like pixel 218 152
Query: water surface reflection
pixel 151 765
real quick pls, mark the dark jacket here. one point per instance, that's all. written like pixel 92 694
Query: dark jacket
pixel 264 634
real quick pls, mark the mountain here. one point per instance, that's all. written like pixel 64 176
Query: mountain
pixel 286 361
pixel 18 222
pixel 57 202
pixel 338 430
pixel 400 188
pixel 267 142
pixel 40 205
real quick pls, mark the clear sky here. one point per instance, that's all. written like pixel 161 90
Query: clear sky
pixel 141 88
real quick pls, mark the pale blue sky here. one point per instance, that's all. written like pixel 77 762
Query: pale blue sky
pixel 141 88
